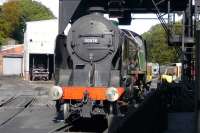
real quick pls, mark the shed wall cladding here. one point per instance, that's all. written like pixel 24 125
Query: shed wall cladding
pixel 12 66
pixel 40 36
pixel 1 65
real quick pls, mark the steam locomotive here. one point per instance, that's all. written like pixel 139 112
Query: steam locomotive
pixel 100 69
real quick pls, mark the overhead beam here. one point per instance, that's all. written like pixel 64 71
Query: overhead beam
pixel 67 9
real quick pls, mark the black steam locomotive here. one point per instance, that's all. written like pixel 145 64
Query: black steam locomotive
pixel 100 69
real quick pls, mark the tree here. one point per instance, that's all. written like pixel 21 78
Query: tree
pixel 5 29
pixel 30 11
pixel 9 19
pixel 34 11
pixel 157 46
pixel 15 14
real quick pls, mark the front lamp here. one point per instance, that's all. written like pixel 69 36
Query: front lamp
pixel 56 92
pixel 112 94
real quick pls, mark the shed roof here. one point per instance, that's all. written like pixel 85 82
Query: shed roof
pixel 15 51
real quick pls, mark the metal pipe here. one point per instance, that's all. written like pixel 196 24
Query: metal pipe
pixel 190 19
pixel 169 25
pixel 168 11
pixel 47 62
pixel 149 18
pixel 183 48
pixel 33 62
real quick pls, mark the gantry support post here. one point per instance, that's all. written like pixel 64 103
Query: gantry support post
pixel 197 92
pixel 197 89
pixel 188 50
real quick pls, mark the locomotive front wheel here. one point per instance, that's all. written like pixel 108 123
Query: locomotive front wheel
pixel 66 110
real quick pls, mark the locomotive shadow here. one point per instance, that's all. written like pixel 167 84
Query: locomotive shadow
pixel 96 124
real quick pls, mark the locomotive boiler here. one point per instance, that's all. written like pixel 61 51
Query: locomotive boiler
pixel 100 69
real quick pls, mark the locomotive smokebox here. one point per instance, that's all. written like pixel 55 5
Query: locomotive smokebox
pixel 92 43
pixel 93 38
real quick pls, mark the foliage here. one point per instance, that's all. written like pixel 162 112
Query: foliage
pixel 157 45
pixel 15 14
pixel 33 11
pixel 9 18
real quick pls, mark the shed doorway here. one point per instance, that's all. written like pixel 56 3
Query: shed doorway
pixel 41 66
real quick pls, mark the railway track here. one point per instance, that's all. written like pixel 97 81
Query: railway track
pixel 15 105
pixel 6 100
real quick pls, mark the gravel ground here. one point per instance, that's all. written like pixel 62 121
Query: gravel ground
pixel 25 106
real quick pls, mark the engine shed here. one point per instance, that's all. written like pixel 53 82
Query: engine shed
pixel 39 44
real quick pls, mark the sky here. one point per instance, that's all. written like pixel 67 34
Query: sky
pixel 1 1
pixel 138 25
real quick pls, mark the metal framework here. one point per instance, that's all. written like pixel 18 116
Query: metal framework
pixel 70 10
pixel 160 16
